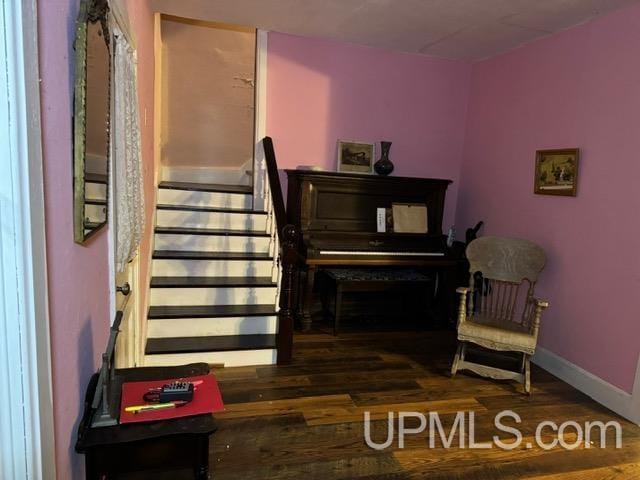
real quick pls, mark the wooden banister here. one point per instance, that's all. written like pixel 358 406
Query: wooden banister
pixel 274 184
pixel 289 258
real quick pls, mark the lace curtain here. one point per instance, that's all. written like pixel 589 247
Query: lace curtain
pixel 128 186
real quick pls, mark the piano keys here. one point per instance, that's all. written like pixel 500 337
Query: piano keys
pixel 336 213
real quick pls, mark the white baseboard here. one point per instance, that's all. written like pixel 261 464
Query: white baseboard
pixel 219 175
pixel 601 391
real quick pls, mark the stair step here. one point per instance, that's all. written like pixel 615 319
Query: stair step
pixel 211 240
pixel 194 255
pixel 211 282
pixel 233 358
pixel 192 208
pixel 203 187
pixel 211 231
pixel 207 327
pixel 212 264
pixel 240 201
pixel 96 178
pixel 207 217
pixel 216 295
pixel 226 343
pixel 209 311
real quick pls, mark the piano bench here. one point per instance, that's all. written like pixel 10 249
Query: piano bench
pixel 348 280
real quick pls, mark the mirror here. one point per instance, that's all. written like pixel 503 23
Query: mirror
pixel 91 119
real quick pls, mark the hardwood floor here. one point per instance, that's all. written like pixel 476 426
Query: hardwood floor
pixel 305 421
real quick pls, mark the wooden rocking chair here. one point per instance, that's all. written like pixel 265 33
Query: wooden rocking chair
pixel 501 313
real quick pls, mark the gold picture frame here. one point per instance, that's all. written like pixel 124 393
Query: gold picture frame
pixel 556 172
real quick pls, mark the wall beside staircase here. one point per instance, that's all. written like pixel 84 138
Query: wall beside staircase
pixel 78 275
pixel 320 90
pixel 208 85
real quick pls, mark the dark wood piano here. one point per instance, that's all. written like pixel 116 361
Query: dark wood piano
pixel 336 213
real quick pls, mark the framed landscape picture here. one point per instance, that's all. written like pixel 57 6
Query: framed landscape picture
pixel 557 172
pixel 355 157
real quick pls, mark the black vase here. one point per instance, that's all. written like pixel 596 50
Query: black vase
pixel 384 165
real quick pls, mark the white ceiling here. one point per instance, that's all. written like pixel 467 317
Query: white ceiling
pixel 459 29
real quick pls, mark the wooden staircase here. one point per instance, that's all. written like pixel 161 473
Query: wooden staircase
pixel 214 286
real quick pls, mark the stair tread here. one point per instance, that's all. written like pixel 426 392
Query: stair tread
pixel 192 208
pixel 225 343
pixel 209 311
pixel 212 231
pixel 176 282
pixel 207 187
pixel 96 178
pixel 197 255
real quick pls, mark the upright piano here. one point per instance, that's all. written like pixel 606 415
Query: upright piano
pixel 336 213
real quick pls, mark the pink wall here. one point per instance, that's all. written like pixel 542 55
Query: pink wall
pixel 319 91
pixel 580 88
pixel 78 275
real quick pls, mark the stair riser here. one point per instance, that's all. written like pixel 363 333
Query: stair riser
pixel 213 296
pixel 221 220
pixel 211 268
pixel 95 191
pixel 211 243
pixel 228 359
pixel 204 199
pixel 203 327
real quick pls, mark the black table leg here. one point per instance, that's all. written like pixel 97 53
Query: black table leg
pixel 201 471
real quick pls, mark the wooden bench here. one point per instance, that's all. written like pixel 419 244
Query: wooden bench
pixel 348 280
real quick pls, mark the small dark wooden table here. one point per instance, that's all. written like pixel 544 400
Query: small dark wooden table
pixel 406 281
pixel 155 448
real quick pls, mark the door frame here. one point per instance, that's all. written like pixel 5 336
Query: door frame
pixel 27 428
pixel 132 356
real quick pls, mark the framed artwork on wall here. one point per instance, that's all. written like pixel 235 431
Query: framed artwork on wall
pixel 557 172
pixel 355 157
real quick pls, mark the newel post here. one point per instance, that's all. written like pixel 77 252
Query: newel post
pixel 289 264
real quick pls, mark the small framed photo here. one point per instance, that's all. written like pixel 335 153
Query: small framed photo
pixel 557 172
pixel 355 157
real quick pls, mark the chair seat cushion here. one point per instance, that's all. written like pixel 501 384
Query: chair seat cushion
pixel 489 333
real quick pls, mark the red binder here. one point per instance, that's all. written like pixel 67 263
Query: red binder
pixel 206 399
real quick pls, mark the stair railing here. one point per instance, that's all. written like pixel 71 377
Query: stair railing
pixel 284 250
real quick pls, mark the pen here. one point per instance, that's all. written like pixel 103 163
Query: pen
pixel 157 406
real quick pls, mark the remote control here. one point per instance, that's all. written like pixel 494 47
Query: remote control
pixel 176 391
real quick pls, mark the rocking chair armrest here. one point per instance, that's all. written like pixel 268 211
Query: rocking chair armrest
pixel 536 313
pixel 462 307
pixel 541 303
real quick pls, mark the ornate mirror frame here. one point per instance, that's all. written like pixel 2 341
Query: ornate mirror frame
pixel 91 12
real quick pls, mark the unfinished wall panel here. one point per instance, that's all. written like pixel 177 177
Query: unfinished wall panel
pixel 208 83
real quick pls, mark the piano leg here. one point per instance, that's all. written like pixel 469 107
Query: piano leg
pixel 307 300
